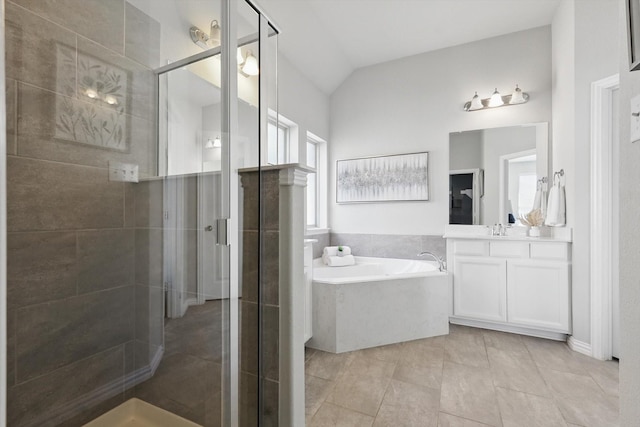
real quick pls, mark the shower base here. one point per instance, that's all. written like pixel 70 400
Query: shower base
pixel 137 413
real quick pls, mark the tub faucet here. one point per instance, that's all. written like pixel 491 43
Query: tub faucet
pixel 440 261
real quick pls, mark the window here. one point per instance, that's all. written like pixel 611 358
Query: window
pixel 282 140
pixel 316 182
pixel 278 142
pixel 312 184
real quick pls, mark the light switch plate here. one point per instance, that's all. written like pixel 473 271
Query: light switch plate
pixel 124 172
pixel 635 119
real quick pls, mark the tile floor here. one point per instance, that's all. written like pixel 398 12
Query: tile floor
pixel 470 378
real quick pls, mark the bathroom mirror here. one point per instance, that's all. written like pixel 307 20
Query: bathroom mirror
pixel 494 173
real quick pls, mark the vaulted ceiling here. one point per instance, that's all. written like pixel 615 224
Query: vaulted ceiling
pixel 328 39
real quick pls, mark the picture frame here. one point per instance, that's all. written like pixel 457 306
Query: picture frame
pixel 633 33
pixel 391 178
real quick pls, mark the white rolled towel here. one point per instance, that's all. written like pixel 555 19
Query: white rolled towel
pixel 341 261
pixel 333 250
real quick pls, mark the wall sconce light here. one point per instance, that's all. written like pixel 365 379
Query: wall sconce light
pixel 496 100
pixel 204 40
pixel 216 143
pixel 94 94
pixel 249 64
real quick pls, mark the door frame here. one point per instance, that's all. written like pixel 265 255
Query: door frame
pixel 503 193
pixel 602 216
pixel 478 189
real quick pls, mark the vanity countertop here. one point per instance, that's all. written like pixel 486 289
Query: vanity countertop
pixel 481 232
pixel 505 238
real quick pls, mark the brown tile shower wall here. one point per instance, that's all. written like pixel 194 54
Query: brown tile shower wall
pixel 82 257
pixel 260 291
pixel 390 245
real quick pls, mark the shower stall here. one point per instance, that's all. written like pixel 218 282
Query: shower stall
pixel 136 135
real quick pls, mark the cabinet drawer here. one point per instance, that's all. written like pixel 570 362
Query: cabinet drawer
pixel 554 251
pixel 509 249
pixel 471 247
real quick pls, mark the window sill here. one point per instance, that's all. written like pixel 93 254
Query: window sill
pixel 315 231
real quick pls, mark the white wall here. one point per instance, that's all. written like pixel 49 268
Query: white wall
pixel 300 101
pixel 629 242
pixel 585 49
pixel 412 105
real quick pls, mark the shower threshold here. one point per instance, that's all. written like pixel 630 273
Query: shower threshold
pixel 137 413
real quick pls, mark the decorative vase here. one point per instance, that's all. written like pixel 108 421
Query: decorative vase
pixel 534 231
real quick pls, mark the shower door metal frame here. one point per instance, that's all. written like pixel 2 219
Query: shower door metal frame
pixel 3 227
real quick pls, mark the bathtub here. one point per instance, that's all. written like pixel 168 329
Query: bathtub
pixel 376 302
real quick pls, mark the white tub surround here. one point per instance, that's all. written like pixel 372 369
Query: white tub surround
pixel 376 302
pixel 511 283
pixel 308 279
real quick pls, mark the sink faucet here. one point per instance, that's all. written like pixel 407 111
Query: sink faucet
pixel 440 261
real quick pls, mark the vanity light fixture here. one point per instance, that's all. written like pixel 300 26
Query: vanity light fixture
pixel 204 40
pixel 497 100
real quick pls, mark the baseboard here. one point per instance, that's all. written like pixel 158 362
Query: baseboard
pixel 496 326
pixel 579 346
pixel 76 407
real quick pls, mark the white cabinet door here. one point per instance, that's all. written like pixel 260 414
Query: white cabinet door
pixel 538 294
pixel 480 288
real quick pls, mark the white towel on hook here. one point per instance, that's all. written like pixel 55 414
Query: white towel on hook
pixel 556 208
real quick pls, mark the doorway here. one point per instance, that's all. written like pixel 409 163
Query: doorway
pixel 605 142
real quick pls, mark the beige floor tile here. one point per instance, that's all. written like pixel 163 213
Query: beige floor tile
pixel 504 341
pixel 308 353
pixel 591 411
pixel 516 371
pixel 386 353
pixel 468 392
pixel 466 349
pixel 604 373
pixel 527 410
pixel 581 400
pixel 554 355
pixel 419 374
pixel 316 391
pixel 334 416
pixel 421 364
pixel 328 366
pixel 408 405
pixel 364 365
pixel 425 342
pixel 448 420
pixel 359 393
pixel 566 384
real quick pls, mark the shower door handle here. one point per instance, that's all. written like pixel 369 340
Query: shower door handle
pixel 222 237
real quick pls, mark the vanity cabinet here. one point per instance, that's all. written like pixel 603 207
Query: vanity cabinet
pixel 517 286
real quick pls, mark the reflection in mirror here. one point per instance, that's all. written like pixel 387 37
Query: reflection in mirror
pixel 494 173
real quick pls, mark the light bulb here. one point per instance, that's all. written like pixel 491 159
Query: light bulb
pixel 239 57
pixel 111 100
pixel 496 99
pixel 476 103
pixel 250 66
pixel 517 97
pixel 214 34
pixel 91 93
